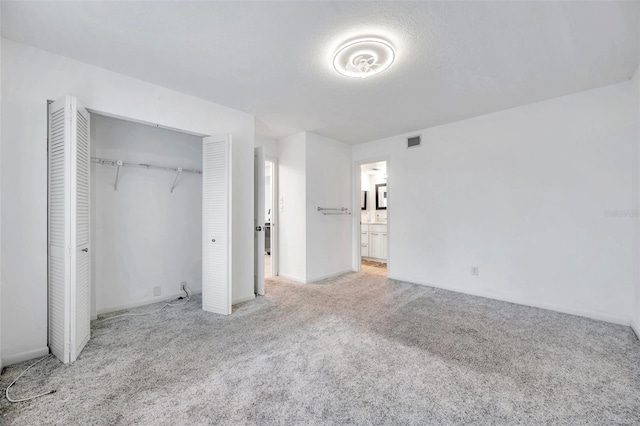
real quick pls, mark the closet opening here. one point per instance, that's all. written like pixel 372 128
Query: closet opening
pixel 374 206
pixel 146 214
pixel 136 214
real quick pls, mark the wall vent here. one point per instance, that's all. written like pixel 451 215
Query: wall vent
pixel 414 141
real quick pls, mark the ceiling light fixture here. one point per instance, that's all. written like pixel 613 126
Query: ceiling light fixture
pixel 364 57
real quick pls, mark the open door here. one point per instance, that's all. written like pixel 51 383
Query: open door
pixel 258 220
pixel 68 229
pixel 216 225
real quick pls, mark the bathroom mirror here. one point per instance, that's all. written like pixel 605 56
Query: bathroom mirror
pixel 363 200
pixel 381 196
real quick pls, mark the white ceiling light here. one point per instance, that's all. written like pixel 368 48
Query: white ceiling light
pixel 363 58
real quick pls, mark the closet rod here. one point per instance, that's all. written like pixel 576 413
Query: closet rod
pixel 109 162
pixel 334 210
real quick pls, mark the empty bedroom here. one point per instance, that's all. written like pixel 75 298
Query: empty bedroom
pixel 332 212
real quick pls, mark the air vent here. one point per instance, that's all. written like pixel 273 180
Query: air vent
pixel 414 141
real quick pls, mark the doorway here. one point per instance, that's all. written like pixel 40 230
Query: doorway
pixel 374 206
pixel 265 219
pixel 268 212
pixel 271 216
pixel 146 214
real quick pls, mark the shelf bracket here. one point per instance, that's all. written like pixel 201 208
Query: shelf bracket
pixel 119 164
pixel 175 181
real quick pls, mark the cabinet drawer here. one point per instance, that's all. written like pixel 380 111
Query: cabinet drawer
pixel 364 238
pixel 364 250
pixel 364 228
pixel 378 228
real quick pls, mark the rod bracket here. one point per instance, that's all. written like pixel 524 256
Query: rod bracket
pixel 118 164
pixel 175 181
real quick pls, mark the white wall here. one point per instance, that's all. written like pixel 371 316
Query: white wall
pixel 526 194
pixel 270 145
pixel 143 235
pixel 328 242
pixel 29 78
pixel 270 150
pixel 292 236
pixel 314 171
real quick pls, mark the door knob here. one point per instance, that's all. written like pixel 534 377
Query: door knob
pixel 213 240
pixel 258 228
pixel 86 250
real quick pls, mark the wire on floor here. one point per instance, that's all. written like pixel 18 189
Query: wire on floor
pixel 141 314
pixel 6 392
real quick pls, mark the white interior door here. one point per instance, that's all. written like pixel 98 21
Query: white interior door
pixel 258 220
pixel 216 225
pixel 68 229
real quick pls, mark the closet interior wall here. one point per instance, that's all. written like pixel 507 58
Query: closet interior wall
pixel 143 235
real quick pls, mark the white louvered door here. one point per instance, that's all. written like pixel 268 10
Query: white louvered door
pixel 81 273
pixel 68 229
pixel 216 225
pixel 59 228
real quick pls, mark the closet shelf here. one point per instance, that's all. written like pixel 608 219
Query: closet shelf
pixel 120 163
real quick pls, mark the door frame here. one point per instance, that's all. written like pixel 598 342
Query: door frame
pixel 259 218
pixel 357 184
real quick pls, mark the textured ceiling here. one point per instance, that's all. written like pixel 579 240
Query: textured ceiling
pixel 454 60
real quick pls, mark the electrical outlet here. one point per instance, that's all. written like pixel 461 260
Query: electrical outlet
pixel 157 291
pixel 475 270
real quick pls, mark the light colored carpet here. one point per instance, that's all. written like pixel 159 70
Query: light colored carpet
pixel 358 349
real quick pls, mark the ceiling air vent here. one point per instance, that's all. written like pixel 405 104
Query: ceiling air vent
pixel 414 141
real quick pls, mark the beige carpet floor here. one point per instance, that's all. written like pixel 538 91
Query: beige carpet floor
pixel 358 349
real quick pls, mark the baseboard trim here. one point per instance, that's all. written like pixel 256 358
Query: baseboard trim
pixel 292 278
pixel 600 316
pixel 243 299
pixel 315 279
pixel 25 356
pixel 145 302
pixel 324 277
pixel 635 328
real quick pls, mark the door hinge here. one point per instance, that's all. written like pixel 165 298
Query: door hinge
pixel 70 346
pixel 69 251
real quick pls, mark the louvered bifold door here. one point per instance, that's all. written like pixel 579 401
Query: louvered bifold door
pixel 216 225
pixel 59 228
pixel 81 273
pixel 68 229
